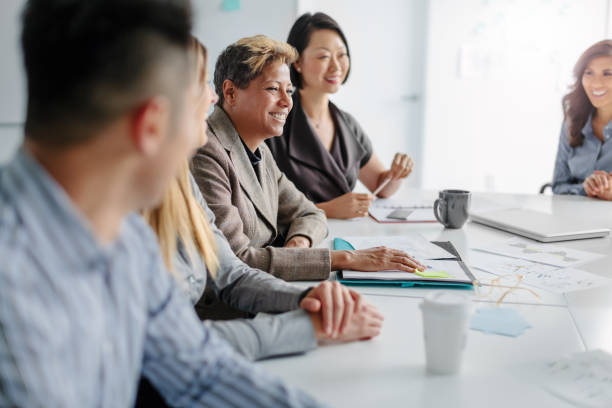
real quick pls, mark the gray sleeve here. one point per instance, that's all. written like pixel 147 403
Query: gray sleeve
pixel 243 287
pixel 268 335
pixel 190 274
pixel 193 367
pixel 563 182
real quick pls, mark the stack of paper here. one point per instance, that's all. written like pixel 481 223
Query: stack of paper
pixel 442 266
pixel 545 266
pixel 414 245
pixel 437 270
pixel 541 253
pixel 583 379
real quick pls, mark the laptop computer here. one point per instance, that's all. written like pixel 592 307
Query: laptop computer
pixel 540 226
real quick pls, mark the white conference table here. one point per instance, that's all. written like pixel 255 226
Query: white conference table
pixel 500 371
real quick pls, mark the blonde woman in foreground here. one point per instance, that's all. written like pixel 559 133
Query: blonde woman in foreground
pixel 195 250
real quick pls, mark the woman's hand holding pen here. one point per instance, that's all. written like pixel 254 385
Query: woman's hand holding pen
pixel 389 181
pixel 599 184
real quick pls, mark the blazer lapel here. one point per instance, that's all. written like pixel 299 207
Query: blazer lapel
pixel 269 185
pixel 354 151
pixel 304 146
pixel 222 126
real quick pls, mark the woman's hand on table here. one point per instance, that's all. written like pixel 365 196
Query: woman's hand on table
pixel 599 184
pixel 375 259
pixel 335 305
pixel 349 205
pixel 364 323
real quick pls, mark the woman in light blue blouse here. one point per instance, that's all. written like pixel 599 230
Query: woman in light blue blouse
pixel 584 157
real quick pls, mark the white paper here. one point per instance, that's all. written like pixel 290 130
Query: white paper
pixel 566 280
pixel 395 204
pixel 494 293
pixel 542 253
pixel 451 267
pixel 547 277
pixel 417 215
pixel 414 245
pixel 584 379
pixel 503 265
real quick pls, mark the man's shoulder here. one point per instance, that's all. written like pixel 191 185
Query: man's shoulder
pixel 137 232
pixel 19 259
pixel 12 228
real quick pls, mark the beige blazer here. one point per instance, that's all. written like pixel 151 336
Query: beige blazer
pixel 253 209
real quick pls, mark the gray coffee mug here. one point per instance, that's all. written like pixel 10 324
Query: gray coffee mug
pixel 451 208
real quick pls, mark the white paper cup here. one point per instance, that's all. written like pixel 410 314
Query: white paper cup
pixel 445 324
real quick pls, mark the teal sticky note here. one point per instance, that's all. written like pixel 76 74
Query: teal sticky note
pixel 499 320
pixel 231 5
pixel 341 244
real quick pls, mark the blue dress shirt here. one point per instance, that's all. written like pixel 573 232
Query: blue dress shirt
pixel 574 164
pixel 79 321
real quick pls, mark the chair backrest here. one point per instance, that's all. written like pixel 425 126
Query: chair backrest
pixel 544 187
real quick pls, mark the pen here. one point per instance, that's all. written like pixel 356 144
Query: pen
pixel 382 185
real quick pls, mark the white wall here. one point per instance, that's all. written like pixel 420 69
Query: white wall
pixel 496 72
pixel 12 83
pixel 486 109
pixel 217 28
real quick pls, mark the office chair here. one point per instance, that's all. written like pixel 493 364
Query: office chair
pixel 544 187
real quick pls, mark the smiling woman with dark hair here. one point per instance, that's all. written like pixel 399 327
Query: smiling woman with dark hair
pixel 584 157
pixel 323 149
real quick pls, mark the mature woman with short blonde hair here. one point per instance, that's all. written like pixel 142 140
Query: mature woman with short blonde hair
pixel 268 222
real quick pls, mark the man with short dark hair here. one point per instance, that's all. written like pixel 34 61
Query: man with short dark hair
pixel 85 302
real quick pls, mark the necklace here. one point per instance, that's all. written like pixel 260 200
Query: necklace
pixel 317 125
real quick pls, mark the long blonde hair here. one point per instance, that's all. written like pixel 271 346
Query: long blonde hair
pixel 180 216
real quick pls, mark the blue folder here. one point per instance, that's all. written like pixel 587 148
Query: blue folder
pixel 341 244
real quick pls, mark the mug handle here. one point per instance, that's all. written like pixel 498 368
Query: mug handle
pixel 440 202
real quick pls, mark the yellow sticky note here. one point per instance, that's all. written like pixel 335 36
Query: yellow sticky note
pixel 433 274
